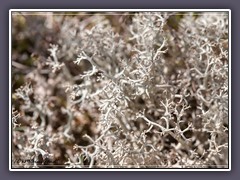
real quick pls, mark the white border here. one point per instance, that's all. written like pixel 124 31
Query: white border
pixel 118 10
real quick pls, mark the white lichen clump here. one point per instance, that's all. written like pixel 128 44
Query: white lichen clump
pixel 153 93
